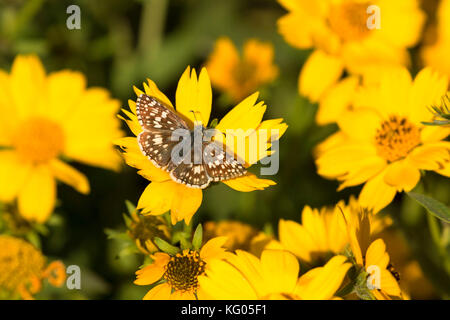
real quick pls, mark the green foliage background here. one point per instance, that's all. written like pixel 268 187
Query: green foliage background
pixel 120 44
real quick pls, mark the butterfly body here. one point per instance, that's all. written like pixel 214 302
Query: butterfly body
pixel 197 162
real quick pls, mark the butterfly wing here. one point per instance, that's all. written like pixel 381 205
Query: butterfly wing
pixel 191 174
pixel 153 114
pixel 220 164
pixel 158 123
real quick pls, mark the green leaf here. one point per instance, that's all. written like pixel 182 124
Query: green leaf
pixel 198 237
pixel 165 246
pixel 127 220
pixel 436 208
pixel 130 206
pixel 185 244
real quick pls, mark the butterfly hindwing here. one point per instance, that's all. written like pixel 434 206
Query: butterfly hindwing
pixel 191 174
pixel 220 164
pixel 157 146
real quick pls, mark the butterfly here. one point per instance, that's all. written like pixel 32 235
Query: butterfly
pixel 159 142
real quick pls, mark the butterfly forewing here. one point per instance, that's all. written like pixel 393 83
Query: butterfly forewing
pixel 153 114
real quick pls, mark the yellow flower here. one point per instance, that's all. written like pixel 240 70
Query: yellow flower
pixel 275 276
pixel 176 276
pixel 436 55
pixel 22 268
pixel 373 258
pixel 44 118
pixel 237 76
pixel 323 233
pixel 239 234
pixel 385 144
pixel 339 32
pixel 194 94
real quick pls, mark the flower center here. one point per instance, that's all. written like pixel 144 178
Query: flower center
pixel 183 270
pixel 349 20
pixel 19 262
pixel 39 140
pixel 396 138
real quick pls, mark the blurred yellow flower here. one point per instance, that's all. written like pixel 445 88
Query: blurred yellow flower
pixel 23 267
pixel 323 233
pixel 436 55
pixel 46 118
pixel 373 258
pixel 384 143
pixel 143 230
pixel 179 273
pixel 239 234
pixel 348 35
pixel 194 94
pixel 239 77
pixel 275 276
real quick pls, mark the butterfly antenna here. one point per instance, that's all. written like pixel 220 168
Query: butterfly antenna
pixel 195 118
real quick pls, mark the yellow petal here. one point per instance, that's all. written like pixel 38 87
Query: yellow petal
pixel 295 238
pixel 334 140
pixel 65 89
pixel 152 273
pixel 224 282
pixel 279 270
pixel 134 158
pixel 213 248
pixel 376 193
pixel 431 156
pixel 318 74
pixel 7 124
pixel 402 175
pixel 194 96
pixel 250 268
pixel 69 175
pixel 247 115
pixel 434 133
pixel 360 124
pixel 248 183
pixel 186 202
pixel 337 100
pixel 152 90
pixel 323 283
pixel 346 159
pixel 37 197
pixel 376 254
pixel 157 198
pixel 182 295
pixel 28 84
pixel 389 284
pixel 427 90
pixel 160 292
pixel 13 175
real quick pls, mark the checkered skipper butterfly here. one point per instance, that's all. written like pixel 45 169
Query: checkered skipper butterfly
pixel 161 145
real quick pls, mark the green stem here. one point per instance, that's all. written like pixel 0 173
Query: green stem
pixel 152 27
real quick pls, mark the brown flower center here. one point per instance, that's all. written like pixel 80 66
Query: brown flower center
pixel 349 20
pixel 183 270
pixel 39 140
pixel 396 138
